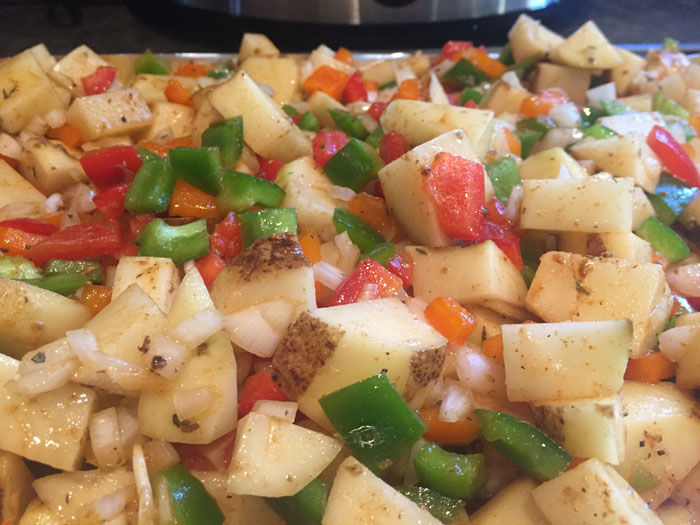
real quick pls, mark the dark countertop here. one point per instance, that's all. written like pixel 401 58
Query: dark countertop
pixel 164 26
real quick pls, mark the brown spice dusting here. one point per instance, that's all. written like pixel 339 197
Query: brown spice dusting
pixel 143 347
pixel 158 362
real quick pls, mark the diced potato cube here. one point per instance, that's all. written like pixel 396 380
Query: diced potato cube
pixel 570 287
pixel 642 208
pixel 280 74
pixel 594 205
pixel 688 366
pixel 512 504
pixel 320 103
pixel 79 63
pixel 528 37
pixel 621 245
pixel 15 487
pixel 642 103
pixel 323 56
pixel 625 123
pixel 587 48
pixel 256 45
pixel 48 166
pixel 573 81
pixel 43 56
pixel 554 163
pixel 623 73
pixel 15 188
pixel 504 98
pixel 381 71
pixel 170 121
pixel 158 277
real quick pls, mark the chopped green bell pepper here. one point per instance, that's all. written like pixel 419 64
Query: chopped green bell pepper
pixel 227 135
pixel 532 124
pixel 374 420
pixel 200 167
pixel 258 224
pixel 382 253
pixel 146 154
pixel 179 243
pixel 641 479
pixel 665 105
pixel 526 446
pixel 688 131
pixel 388 85
pixel 528 139
pixel 220 72
pixel 354 165
pixel 525 65
pixel 662 210
pixel 361 233
pixel 598 131
pixel 506 55
pixel 454 475
pixel 464 74
pixel 151 64
pixel 309 122
pixel 64 283
pixel 663 239
pixel 469 93
pixel 152 188
pixel 306 507
pixel 444 508
pixel 374 138
pixel 671 197
pixel 240 191
pixel 290 110
pixel 671 44
pixel 189 502
pixel 91 270
pixel 590 115
pixel 614 107
pixel 17 267
pixel 349 123
pixel 504 175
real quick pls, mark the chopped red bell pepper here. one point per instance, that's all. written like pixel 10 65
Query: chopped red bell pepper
pixel 14 241
pixel 227 239
pixel 376 109
pixel 471 104
pixel 35 226
pixel 496 213
pixel 326 144
pixel 506 240
pixel 110 201
pixel 210 267
pixel 355 89
pixel 134 225
pixel 392 146
pixel 256 387
pixel 78 242
pixel 456 186
pixel 453 47
pixel 368 271
pixel 401 265
pixel 109 166
pixel 99 81
pixel 269 168
pixel 212 456
pixel 673 156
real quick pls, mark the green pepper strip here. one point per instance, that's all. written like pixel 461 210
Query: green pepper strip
pixel 361 233
pixel 665 105
pixel 504 175
pixel 382 253
pixel 91 270
pixel 152 188
pixel 201 167
pixel 464 74
pixel 453 475
pixel 614 107
pixel 179 243
pixel 354 165
pixel 444 508
pixel 190 503
pixel 663 239
pixel 469 93
pixel 17 267
pixel 349 123
pixel 259 224
pixel 309 122
pixel 240 191
pixel 64 283
pixel 227 135
pixel 149 63
pixel 671 197
pixel 388 85
pixel 375 137
pixel 306 507
pixel 506 56
pixel 525 65
pixel 528 139
pixel 290 110
pixel 374 420
pixel 598 131
pixel 590 115
pixel 526 446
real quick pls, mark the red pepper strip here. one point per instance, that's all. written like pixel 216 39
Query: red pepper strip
pixel 496 213
pixel 471 104
pixel 210 267
pixel 99 81
pixel 17 242
pixel 355 89
pixel 326 144
pixel 256 387
pixel 30 226
pixel 452 47
pixel 506 240
pixel 456 186
pixel 269 168
pixel 212 456
pixel 227 239
pixel 134 225
pixel 376 109
pixel 79 242
pixel 673 156
pixel 392 146
pixel 109 166
pixel 110 201
pixel 368 271
pixel 402 267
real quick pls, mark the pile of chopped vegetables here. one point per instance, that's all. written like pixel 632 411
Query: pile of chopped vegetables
pixel 446 288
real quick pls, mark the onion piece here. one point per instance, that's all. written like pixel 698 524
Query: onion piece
pixel 51 353
pixel 674 343
pixel 53 203
pixel 340 193
pixel 196 329
pixel 511 78
pixel 456 403
pixel 82 341
pixel 417 306
pixel 147 509
pixel 110 505
pixel 165 511
pixel 44 379
pixel 106 439
pixel 479 373
pixel 279 313
pixel 685 279
pixel 160 454
pixel 328 275
pixel 566 115
pixel 286 410
pixel 515 202
pixel 191 402
pixel 128 422
pixel 251 331
pixel 349 252
pixel 55 118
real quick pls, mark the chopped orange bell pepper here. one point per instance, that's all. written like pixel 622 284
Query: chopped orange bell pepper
pixel 543 102
pixel 68 134
pixel 344 55
pixel 650 368
pixel 154 147
pixel 54 218
pixel 190 69
pixel 188 201
pixel 95 297
pixel 177 93
pixel 409 89
pixel 449 433
pixel 657 258
pixel 370 208
pixel 493 348
pixel 451 319
pixel 327 79
pixel 695 122
pixel 14 241
pixel 310 245
pixel 514 144
pixel 481 59
pixel 690 150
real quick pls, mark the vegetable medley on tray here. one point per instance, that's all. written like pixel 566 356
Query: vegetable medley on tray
pixel 446 288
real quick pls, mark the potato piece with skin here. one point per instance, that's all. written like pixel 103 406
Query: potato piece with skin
pixel 420 122
pixel 623 74
pixel 275 458
pixel 360 497
pixel 512 504
pixel 621 245
pixel 587 48
pixel 50 428
pixel 15 188
pixel 336 346
pixel 476 274
pixel 79 63
pixel 266 128
pixel 15 487
pixel 573 81
pixel 528 37
pixel 256 45
pixel 158 277
pixel 280 74
pixel 32 317
pixel 554 163
pixel 49 166
pixel 585 428
pixel 170 121
pixel 592 493
pixel 571 287
pixel 594 205
pixel 558 361
pixel 663 437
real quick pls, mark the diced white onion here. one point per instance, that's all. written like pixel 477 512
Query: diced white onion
pixel 51 353
pixel 108 506
pixel 403 72
pixel 82 342
pixel 53 203
pixel 165 511
pixel 196 329
pixel 160 454
pixel 685 279
pixel 147 510
pixel 44 379
pixel 417 306
pixel 676 341
pixel 128 422
pixel 560 138
pixel 479 373
pixel 511 78
pixel 9 147
pixel 340 193
pixel 443 67
pixel 358 107
pixel 369 292
pixel 278 313
pixel 456 403
pixel 37 126
pixel 368 122
pixel 566 115
pixel 55 118
pixel 349 252
pixel 191 402
pixel 105 438
pixel 328 275
pixel 515 202
pixel 166 356
pixel 252 332
pixel 286 410
pixel 79 198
